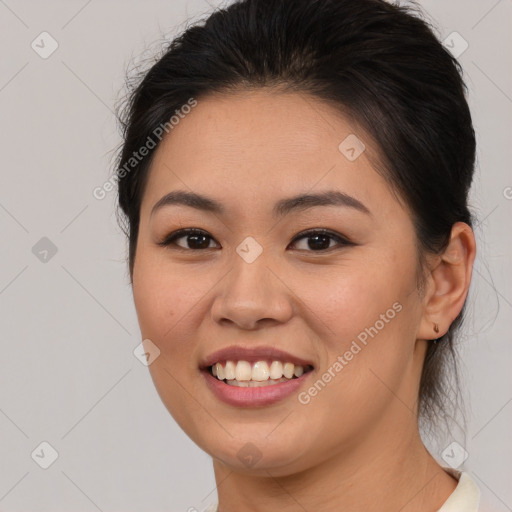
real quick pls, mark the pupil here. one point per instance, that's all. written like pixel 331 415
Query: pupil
pixel 195 237
pixel 315 244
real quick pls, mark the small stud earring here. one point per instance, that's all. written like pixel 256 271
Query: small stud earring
pixel 436 328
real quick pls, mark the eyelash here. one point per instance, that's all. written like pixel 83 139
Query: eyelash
pixel 182 233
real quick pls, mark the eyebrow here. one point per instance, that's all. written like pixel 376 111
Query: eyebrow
pixel 281 208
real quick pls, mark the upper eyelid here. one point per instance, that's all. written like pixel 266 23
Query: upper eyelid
pixel 322 231
pixel 181 233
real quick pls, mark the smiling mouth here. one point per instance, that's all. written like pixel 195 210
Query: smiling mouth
pixel 258 374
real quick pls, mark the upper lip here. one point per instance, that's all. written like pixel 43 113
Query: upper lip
pixel 252 354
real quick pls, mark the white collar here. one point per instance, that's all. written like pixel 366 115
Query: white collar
pixel 465 497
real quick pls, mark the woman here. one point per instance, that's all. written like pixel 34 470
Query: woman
pixel 294 179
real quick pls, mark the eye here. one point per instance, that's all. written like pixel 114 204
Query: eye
pixel 197 239
pixel 319 240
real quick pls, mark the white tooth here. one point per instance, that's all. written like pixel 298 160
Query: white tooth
pixel 288 370
pixel 299 370
pixel 243 370
pixel 255 384
pixel 219 371
pixel 239 384
pixel 276 370
pixel 260 371
pixel 214 370
pixel 229 370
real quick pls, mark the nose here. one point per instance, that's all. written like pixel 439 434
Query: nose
pixel 252 296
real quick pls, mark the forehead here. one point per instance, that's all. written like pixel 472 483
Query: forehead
pixel 257 146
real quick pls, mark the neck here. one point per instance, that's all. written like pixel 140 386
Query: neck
pixel 385 473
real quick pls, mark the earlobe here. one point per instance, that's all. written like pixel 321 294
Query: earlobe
pixel 449 282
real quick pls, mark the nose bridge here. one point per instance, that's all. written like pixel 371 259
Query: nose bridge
pixel 251 292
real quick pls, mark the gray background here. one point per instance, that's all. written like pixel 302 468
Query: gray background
pixel 68 374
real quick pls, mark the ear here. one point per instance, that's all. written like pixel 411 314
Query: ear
pixel 448 282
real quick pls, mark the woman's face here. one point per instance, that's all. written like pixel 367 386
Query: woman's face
pixel 349 306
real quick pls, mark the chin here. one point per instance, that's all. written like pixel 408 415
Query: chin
pixel 258 454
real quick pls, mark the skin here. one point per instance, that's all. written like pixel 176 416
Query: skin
pixel 356 442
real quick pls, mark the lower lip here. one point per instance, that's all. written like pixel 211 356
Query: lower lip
pixel 253 397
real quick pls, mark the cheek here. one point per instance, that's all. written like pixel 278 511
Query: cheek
pixel 166 303
pixel 163 296
pixel 350 298
pixel 371 311
pixel 172 303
